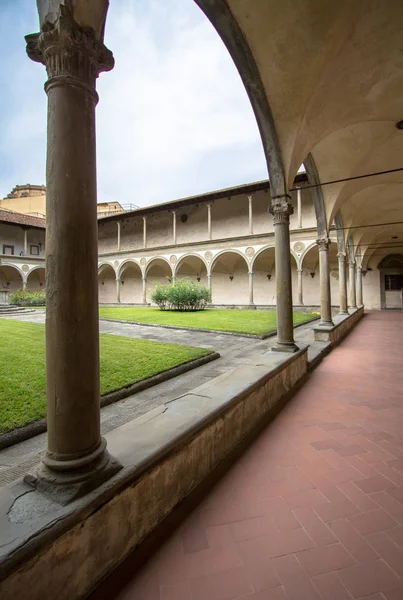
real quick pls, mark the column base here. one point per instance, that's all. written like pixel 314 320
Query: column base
pixel 64 486
pixel 325 324
pixel 343 312
pixel 289 347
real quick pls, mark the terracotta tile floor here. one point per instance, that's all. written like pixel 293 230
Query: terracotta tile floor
pixel 314 508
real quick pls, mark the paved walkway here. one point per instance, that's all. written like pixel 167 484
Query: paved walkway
pixel 16 460
pixel 314 508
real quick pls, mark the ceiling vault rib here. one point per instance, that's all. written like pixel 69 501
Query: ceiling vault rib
pixel 316 185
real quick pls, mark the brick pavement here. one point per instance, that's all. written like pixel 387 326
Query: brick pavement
pixel 313 510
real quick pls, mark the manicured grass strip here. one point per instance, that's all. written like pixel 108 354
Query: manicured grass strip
pixel 256 322
pixel 124 361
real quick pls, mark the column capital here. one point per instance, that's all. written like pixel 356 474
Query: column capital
pixel 323 242
pixel 250 197
pixel 144 217
pixel 341 256
pixel 250 273
pixel 70 53
pixel 351 262
pixel 281 212
pixel 358 267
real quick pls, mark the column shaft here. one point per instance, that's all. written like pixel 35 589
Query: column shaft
pixel 352 302
pixel 324 274
pixel 210 286
pixel 300 287
pixel 342 283
pixel 174 226
pixel 118 224
pixel 251 288
pixel 144 290
pixel 359 285
pixel 281 212
pixel 209 232
pixel 118 290
pixel 25 242
pixel 144 232
pixel 299 209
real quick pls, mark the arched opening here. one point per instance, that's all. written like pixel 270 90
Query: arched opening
pixel 10 279
pixel 264 278
pixel 158 272
pixel 107 284
pixel 131 283
pixel 36 280
pixel 391 281
pixel 230 281
pixel 311 277
pixel 192 267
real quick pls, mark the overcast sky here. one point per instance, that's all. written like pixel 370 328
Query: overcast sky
pixel 173 118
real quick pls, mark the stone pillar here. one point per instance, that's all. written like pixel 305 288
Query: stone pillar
pixel 324 274
pixel 24 284
pixel 251 303
pixel 118 224
pixel 352 302
pixel 144 290
pixel 25 241
pixel 118 290
pixel 209 233
pixel 250 215
pixel 144 232
pixel 342 283
pixel 281 211
pixel 358 269
pixel 76 458
pixel 174 226
pixel 300 288
pixel 299 208
pixel 210 286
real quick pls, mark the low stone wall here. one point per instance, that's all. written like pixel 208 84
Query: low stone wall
pixel 342 326
pixel 165 455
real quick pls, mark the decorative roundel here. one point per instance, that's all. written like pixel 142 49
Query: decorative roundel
pixel 299 246
pixel 25 268
pixel 173 259
pixel 250 251
pixel 208 255
pixel 143 262
pixel 116 263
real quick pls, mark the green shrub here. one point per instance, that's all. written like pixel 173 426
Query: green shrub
pixel 28 298
pixel 184 294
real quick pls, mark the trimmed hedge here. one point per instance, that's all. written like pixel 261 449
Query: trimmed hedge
pixel 184 295
pixel 28 298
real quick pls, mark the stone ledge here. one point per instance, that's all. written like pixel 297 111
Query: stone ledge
pixel 32 429
pixel 165 455
pixel 343 324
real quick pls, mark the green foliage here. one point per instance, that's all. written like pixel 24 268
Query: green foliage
pixel 28 298
pixel 183 295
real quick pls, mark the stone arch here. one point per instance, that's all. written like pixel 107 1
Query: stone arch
pixel 11 277
pixel 391 281
pixel 192 266
pixel 158 271
pixel 264 276
pixel 106 283
pixel 36 279
pixel 229 278
pixel 317 196
pixel 131 282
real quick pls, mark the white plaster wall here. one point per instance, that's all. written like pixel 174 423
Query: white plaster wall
pixel 131 234
pixel 107 236
pixel 371 290
pixel 264 290
pixel 131 290
pixel 13 235
pixel 107 291
pixel 226 291
pixel 10 276
pixel 36 280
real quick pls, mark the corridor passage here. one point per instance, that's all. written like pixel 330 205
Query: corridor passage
pixel 314 508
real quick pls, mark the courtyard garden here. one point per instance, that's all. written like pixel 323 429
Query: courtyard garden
pixel 124 361
pixel 256 322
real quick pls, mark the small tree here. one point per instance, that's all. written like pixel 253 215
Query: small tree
pixel 181 295
pixel 28 298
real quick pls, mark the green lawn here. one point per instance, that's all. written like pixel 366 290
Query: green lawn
pixel 22 368
pixel 257 322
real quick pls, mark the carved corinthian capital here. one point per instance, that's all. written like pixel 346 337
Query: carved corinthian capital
pixel 69 51
pixel 323 243
pixel 281 212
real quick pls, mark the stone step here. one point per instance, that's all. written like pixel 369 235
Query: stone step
pixel 10 309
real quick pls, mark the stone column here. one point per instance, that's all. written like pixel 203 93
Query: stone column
pixel 300 290
pixel 25 241
pixel 281 211
pixel 144 290
pixel 24 284
pixel 210 286
pixel 250 215
pixel 324 274
pixel 352 302
pixel 174 226
pixel 209 233
pixel 359 285
pixel 342 283
pixel 299 208
pixel 251 303
pixel 76 458
pixel 118 224
pixel 144 232
pixel 118 290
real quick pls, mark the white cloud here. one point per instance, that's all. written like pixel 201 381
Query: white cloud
pixel 173 117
